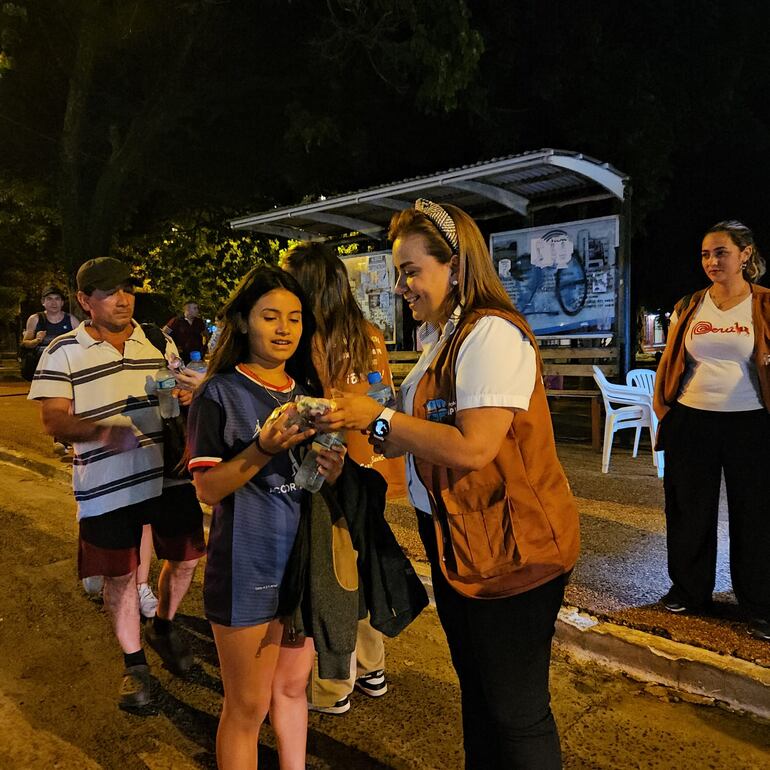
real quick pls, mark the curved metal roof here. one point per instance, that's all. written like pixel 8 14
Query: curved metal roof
pixel 520 183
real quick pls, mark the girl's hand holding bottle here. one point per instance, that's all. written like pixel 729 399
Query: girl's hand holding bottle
pixel 330 462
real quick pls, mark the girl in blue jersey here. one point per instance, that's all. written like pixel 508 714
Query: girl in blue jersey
pixel 243 460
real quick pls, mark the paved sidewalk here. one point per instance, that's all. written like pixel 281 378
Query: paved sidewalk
pixel 612 613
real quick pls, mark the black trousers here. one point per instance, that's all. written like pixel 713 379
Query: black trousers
pixel 698 446
pixel 501 651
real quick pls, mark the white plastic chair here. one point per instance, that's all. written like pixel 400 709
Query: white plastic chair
pixel 645 379
pixel 635 412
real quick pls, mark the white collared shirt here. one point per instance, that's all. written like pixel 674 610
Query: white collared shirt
pixel 112 388
pixel 495 367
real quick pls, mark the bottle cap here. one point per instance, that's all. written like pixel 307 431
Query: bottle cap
pixel 195 355
pixel 374 378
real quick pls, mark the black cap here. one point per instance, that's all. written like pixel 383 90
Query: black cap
pixel 51 288
pixel 103 273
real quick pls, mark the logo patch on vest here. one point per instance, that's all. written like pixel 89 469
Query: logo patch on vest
pixel 437 410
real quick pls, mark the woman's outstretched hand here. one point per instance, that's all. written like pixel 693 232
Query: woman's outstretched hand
pixel 353 412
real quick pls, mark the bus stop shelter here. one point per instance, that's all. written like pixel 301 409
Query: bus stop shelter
pixel 520 202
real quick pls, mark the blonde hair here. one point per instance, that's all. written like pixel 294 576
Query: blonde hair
pixel 478 285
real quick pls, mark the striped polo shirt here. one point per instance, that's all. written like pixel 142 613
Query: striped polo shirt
pixel 113 389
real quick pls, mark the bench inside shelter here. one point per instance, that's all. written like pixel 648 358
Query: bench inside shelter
pixel 567 371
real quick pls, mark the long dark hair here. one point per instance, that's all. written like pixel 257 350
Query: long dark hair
pixel 343 341
pixel 233 346
pixel 742 237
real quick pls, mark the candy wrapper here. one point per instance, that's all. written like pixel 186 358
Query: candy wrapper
pixel 309 409
pixel 304 411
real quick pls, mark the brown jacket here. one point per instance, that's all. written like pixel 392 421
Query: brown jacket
pixel 513 525
pixel 673 363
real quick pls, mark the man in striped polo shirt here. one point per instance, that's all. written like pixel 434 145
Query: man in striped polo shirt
pixel 96 389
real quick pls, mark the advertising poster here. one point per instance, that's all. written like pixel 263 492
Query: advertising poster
pixel 371 279
pixel 562 277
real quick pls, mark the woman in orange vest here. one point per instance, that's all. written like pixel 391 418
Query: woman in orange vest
pixel 494 508
pixel 346 347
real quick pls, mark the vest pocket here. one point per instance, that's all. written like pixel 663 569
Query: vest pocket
pixel 483 541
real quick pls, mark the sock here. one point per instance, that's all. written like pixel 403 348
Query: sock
pixel 134 658
pixel 161 626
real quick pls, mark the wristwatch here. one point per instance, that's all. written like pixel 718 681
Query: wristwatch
pixel 381 426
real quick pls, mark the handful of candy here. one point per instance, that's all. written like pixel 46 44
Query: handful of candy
pixel 309 409
pixel 304 411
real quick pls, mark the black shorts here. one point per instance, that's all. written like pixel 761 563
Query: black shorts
pixel 109 544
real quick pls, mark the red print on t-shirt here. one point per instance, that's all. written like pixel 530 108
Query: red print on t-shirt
pixel 706 327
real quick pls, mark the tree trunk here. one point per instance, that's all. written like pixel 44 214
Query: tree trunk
pixel 70 181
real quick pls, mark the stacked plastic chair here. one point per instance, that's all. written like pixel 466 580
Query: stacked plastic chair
pixel 645 379
pixel 626 406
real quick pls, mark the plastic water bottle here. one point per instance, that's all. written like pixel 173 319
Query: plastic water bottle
pixel 308 476
pixel 196 364
pixel 380 391
pixel 164 387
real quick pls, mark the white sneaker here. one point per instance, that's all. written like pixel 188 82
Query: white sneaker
pixel 148 602
pixel 372 684
pixel 340 707
pixel 93 585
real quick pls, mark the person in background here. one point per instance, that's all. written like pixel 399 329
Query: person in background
pixel 494 508
pixel 346 347
pixel 242 457
pixel 42 328
pixel 188 331
pixel 712 395
pixel 93 384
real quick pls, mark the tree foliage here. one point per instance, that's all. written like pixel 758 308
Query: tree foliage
pixel 197 259
pixel 122 106
pixel 29 234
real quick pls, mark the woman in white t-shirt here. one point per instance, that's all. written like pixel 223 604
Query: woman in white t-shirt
pixel 713 395
pixel 494 509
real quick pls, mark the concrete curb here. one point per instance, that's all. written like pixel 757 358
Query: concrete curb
pixel 713 677
pixel 49 470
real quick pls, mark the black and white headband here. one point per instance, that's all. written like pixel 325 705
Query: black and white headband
pixel 441 218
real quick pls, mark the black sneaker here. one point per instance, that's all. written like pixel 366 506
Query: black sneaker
pixel 135 688
pixel 173 651
pixel 759 628
pixel 340 707
pixel 672 604
pixel 372 684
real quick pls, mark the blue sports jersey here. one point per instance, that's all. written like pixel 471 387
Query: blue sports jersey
pixel 253 529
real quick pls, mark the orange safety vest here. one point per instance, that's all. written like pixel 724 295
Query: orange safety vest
pixel 513 525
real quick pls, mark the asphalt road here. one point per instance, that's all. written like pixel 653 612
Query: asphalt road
pixel 59 670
